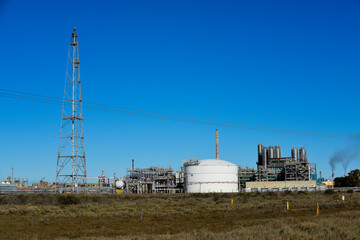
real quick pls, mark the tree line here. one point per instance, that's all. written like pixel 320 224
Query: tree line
pixel 351 180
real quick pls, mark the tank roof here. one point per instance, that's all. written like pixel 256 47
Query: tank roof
pixel 215 162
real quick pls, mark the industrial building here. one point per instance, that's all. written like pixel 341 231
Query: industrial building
pixel 272 167
pixel 7 188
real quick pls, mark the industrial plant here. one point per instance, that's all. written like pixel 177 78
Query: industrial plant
pixel 151 180
pixel 273 173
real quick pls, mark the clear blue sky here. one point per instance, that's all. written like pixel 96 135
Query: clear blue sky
pixel 285 64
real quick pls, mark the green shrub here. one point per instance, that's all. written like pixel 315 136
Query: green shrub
pixel 329 192
pixel 68 199
pixel 303 192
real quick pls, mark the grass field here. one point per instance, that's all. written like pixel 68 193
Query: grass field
pixel 181 216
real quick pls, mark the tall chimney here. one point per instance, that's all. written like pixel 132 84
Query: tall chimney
pixel 217 144
pixel 133 165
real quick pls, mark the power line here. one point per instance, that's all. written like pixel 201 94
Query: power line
pixel 159 115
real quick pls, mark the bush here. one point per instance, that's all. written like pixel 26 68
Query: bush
pixel 199 195
pixel 68 199
pixel 271 195
pixel 329 191
pixel 302 192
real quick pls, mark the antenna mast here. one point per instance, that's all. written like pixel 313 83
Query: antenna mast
pixel 71 163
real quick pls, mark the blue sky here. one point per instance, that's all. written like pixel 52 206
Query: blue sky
pixel 282 64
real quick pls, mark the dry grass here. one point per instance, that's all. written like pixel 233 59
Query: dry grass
pixel 181 216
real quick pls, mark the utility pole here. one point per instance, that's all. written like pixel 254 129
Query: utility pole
pixel 71 163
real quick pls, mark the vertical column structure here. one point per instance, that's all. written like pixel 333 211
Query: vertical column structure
pixel 217 144
pixel 71 163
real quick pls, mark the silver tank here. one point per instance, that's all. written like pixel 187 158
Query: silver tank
pixel 264 157
pixel 277 153
pixel 302 154
pixel 271 152
pixel 260 149
pixel 294 154
pixel 280 152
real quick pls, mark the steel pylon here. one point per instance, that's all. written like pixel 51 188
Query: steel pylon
pixel 71 163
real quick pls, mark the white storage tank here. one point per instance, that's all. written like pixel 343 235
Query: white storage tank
pixel 120 184
pixel 211 175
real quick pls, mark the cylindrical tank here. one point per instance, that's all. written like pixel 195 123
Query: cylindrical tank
pixel 211 175
pixel 264 157
pixel 260 147
pixel 277 152
pixel 302 153
pixel 280 152
pixel 294 154
pixel 271 153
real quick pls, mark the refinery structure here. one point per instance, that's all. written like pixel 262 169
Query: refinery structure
pixel 273 167
pixel 151 180
pixel 274 172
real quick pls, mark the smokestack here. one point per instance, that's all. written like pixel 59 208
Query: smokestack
pixel 260 161
pixel 217 144
pixel 133 165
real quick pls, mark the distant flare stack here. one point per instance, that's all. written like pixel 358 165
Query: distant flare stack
pixel 217 144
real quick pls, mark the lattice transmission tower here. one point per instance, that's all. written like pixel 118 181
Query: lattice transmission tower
pixel 71 163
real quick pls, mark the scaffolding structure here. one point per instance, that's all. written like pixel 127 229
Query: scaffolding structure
pixel 152 180
pixel 245 175
pixel 299 171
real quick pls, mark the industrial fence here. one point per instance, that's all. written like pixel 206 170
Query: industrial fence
pixel 284 189
pixel 308 189
pixel 342 189
pixel 91 190
pixel 109 190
